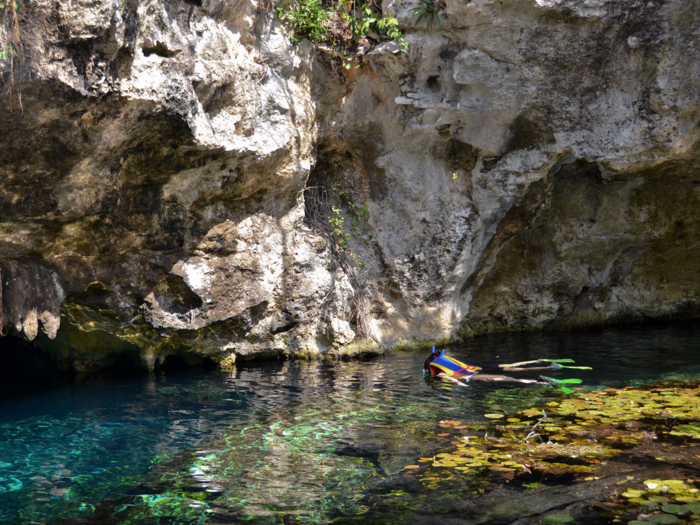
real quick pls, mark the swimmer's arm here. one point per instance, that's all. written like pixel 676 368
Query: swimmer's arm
pixel 445 376
pixel 503 379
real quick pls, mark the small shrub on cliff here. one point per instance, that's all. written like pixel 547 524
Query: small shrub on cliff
pixel 427 10
pixel 305 20
pixel 342 28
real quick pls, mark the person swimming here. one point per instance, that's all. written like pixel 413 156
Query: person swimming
pixel 441 366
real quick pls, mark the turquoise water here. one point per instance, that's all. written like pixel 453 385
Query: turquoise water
pixel 280 441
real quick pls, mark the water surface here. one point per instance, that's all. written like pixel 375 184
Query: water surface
pixel 281 441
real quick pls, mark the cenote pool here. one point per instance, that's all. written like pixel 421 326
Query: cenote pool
pixel 329 442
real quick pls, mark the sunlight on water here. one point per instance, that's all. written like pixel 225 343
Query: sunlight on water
pixel 315 442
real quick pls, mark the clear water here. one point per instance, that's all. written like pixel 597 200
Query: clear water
pixel 281 441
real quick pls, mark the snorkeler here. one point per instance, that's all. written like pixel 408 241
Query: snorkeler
pixel 439 365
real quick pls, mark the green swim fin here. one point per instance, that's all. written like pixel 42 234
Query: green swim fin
pixel 553 381
pixel 557 360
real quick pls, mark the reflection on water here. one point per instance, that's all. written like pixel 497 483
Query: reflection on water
pixel 282 440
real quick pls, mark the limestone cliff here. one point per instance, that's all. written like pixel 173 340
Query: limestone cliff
pixel 532 164
pixel 525 164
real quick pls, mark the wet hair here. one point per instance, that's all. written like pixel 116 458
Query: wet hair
pixel 431 357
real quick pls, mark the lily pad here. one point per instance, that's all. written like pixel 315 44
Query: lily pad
pixel 494 416
pixel 676 509
pixel 662 518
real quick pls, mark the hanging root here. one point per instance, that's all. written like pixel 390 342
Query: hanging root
pixel 317 211
pixel 12 48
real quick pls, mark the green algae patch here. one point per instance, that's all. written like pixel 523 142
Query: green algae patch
pixel 361 348
pixel 559 518
pixel 228 364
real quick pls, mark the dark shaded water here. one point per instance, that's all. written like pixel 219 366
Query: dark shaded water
pixel 278 441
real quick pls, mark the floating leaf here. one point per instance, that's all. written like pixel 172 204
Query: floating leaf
pixel 676 509
pixel 662 518
pixel 673 483
pixel 494 416
pixel 442 435
pixel 411 466
pixel 687 499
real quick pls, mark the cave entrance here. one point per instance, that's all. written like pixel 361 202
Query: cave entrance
pixel 25 368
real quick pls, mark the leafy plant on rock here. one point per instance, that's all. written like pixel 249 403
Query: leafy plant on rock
pixel 343 27
pixel 428 10
pixel 305 20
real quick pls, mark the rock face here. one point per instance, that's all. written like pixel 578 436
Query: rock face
pixel 526 164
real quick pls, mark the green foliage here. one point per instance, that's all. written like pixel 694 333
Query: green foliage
pixel 305 20
pixel 427 10
pixel 8 51
pixel 337 221
pixel 309 19
pixel 559 518
pixel 371 21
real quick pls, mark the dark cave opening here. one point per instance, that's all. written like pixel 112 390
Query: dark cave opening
pixel 26 367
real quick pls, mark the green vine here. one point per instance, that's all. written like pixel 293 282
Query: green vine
pixel 7 51
pixel 11 46
pixel 337 221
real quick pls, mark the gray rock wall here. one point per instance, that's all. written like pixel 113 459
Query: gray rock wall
pixel 525 164
pixel 532 164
